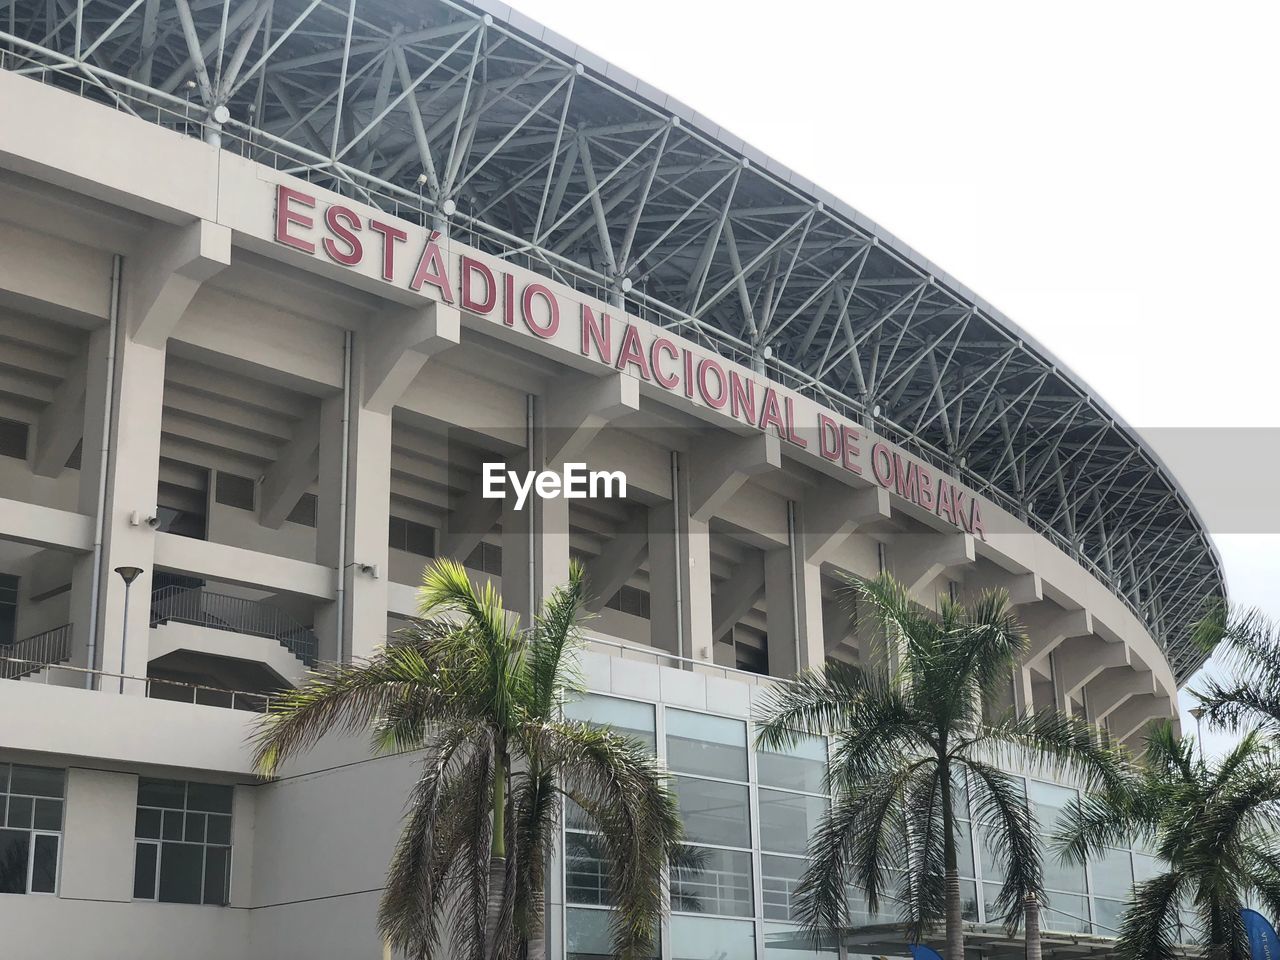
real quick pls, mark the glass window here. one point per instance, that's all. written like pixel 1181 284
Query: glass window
pixel 782 942
pixel 1107 916
pixel 993 866
pixel 586 871
pixel 705 938
pixel 788 819
pixel 1066 913
pixel 1048 802
pixel 30 827
pixel 1062 876
pixel 182 851
pixel 1145 867
pixel 706 745
pixel 1112 875
pixel 714 812
pixel 779 879
pixel 964 848
pixel 625 717
pixel 587 935
pixel 802 766
pixel 719 883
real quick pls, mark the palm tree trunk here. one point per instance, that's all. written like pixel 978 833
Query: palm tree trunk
pixel 1031 924
pixel 953 916
pixel 497 859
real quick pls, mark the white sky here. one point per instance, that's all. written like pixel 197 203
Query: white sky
pixel 1104 173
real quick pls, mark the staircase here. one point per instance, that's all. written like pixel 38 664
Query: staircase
pixel 219 611
pixel 29 657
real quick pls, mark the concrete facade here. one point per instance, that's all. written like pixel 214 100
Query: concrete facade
pixel 146 298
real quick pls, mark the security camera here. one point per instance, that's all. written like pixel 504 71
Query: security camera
pixel 136 519
pixel 153 522
pixel 369 569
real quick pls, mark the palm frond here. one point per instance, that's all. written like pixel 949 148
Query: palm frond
pixel 816 702
pixel 999 802
pixel 1050 742
pixel 554 637
pixel 1147 929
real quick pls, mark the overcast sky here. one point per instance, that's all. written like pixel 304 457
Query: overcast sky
pixel 1104 173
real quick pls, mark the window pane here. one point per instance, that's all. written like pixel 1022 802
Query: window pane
pixel 964 848
pixel 144 871
pixel 791 943
pixel 1066 913
pixel 36 781
pixel 147 823
pixel 799 767
pixel 44 864
pixel 860 914
pixel 787 820
pixel 181 872
pixel 48 814
pixel 195 828
pixel 702 938
pixel 779 878
pixel 21 810
pixel 1060 876
pixel 587 935
pixel 14 850
pixel 1107 915
pixel 216 874
pixel 161 793
pixel 714 812
pixel 586 875
pixel 1112 874
pixel 719 883
pixel 1048 803
pixel 969 900
pixel 626 717
pixel 1144 867
pixel 219 829
pixel 712 746
pixel 173 824
pixel 209 797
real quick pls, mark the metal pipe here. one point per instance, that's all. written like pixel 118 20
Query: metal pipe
pixel 795 580
pixel 529 412
pixel 340 599
pixel 679 567
pixel 113 318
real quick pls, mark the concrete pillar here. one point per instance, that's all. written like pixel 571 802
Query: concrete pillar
pixel 132 482
pixel 368 519
pixel 680 577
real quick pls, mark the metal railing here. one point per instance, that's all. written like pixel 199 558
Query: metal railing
pixel 220 611
pixel 33 654
pixel 156 688
pixel 655 655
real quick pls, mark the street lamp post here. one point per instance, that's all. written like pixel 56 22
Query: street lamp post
pixel 1198 712
pixel 128 575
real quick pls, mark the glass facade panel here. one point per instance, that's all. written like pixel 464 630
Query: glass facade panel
pixel 44 863
pixel 15 849
pixel 625 717
pixel 706 745
pixel 788 819
pixel 1068 878
pixel 30 827
pixel 720 883
pixel 1048 801
pixel 714 812
pixel 586 875
pixel 964 848
pixel 782 942
pixel 1111 875
pixel 779 878
pixel 1065 913
pixel 191 860
pixel 802 766
pixel 1107 915
pixel 705 938
pixel 587 935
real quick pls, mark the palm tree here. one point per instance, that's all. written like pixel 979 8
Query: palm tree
pixel 480 697
pixel 903 734
pixel 1248 645
pixel 1212 825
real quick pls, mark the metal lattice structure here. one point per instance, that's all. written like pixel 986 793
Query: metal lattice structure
pixel 491 127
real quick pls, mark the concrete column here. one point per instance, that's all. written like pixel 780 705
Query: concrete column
pixel 368 520
pixel 680 577
pixel 132 481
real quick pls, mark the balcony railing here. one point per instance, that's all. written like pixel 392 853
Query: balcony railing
pixel 155 688
pixel 33 654
pixel 219 611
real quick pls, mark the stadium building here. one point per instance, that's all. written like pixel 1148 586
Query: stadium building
pixel 279 277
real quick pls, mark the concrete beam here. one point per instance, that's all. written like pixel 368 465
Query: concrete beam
pixel 574 411
pixel 723 464
pixel 61 423
pixel 1048 626
pixel 287 479
pixel 398 345
pixel 1082 660
pixel 833 512
pixel 45 526
pixel 737 595
pixel 1023 589
pixel 607 573
pixel 173 263
pixel 468 522
pixel 247 568
pixel 1114 687
pixel 1136 713
pixel 918 559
